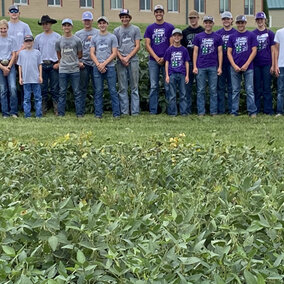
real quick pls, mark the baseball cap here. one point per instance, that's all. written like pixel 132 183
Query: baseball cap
pixel 13 8
pixel 124 12
pixel 28 38
pixel 176 31
pixel 241 18
pixel 87 16
pixel 208 18
pixel 67 21
pixel 158 7
pixel 193 14
pixel 227 14
pixel 260 15
pixel 103 18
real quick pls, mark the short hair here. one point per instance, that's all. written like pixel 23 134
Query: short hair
pixel 4 23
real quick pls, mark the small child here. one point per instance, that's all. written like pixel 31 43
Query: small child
pixel 30 76
pixel 177 73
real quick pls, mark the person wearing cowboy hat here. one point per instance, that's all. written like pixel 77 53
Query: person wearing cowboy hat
pixel 45 43
pixel 128 37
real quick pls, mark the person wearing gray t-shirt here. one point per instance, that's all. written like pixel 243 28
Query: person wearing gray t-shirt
pixel 86 63
pixel 128 37
pixel 69 51
pixel 45 43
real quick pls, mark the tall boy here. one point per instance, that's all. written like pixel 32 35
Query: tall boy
pixel 30 76
pixel 157 40
pixel 69 51
pixel 103 52
pixel 207 64
pixel 242 48
pixel 45 43
pixel 177 73
pixel 128 37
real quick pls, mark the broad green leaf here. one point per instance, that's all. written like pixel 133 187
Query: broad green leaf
pixel 189 260
pixel 81 257
pixel 53 242
pixel 250 278
pixel 9 250
pixel 218 279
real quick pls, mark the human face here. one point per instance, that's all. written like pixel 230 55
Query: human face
pixel 193 21
pixel 14 14
pixel 125 20
pixel 87 24
pixel 177 38
pixel 46 27
pixel 227 22
pixel 102 25
pixel 28 44
pixel 67 28
pixel 241 26
pixel 208 25
pixel 159 15
pixel 3 30
pixel 260 23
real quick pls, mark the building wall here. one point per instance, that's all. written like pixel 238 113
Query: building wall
pixel 276 18
pixel 71 9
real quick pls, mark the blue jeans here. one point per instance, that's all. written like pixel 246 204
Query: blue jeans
pixel 209 73
pixel 8 83
pixel 280 91
pixel 154 72
pixel 177 80
pixel 262 88
pixel 86 74
pixel 188 88
pixel 110 77
pixel 36 89
pixel 50 79
pixel 236 78
pixel 124 74
pixel 63 84
pixel 224 84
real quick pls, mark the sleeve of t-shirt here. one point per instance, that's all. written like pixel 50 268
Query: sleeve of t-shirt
pixel 14 44
pixel 271 37
pixel 39 60
pixel 219 41
pixel 137 34
pixel 57 46
pixel 276 38
pixel 79 44
pixel 93 43
pixel 114 42
pixel 196 40
pixel 170 30
pixel 147 33
pixel 19 62
pixel 186 55
pixel 254 40
pixel 27 30
pixel 36 43
pixel 230 42
pixel 167 55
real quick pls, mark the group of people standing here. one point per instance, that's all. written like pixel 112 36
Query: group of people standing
pixel 47 63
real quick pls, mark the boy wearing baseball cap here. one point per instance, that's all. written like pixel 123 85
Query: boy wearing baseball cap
pixel 30 76
pixel 69 51
pixel 177 74
pixel 128 37
pixel 242 48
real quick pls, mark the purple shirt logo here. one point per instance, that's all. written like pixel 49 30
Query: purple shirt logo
pixel 176 59
pixel 262 41
pixel 159 36
pixel 207 46
pixel 241 44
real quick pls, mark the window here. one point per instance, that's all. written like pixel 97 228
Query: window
pixel 21 2
pixel 224 6
pixel 199 6
pixel 145 5
pixel 86 3
pixel 116 4
pixel 54 2
pixel 249 7
pixel 173 5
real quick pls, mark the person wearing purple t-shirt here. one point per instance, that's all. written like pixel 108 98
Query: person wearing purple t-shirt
pixel 177 73
pixel 224 80
pixel 207 63
pixel 242 48
pixel 157 40
pixel 263 64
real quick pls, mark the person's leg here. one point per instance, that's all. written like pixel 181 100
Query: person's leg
pixel 134 81
pixel 99 89
pixel 201 88
pixel 154 74
pixel 236 78
pixel 75 82
pixel 227 69
pixel 122 77
pixel 212 81
pixel 63 84
pixel 4 94
pixel 280 91
pixel 172 100
pixel 54 89
pixel 188 88
pixel 37 99
pixel 182 95
pixel 27 99
pixel 13 91
pixel 221 89
pixel 267 94
pixel 166 86
pixel 111 81
pixel 258 80
pixel 251 107
pixel 46 69
pixel 84 84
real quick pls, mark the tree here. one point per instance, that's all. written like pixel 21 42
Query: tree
pixel 266 11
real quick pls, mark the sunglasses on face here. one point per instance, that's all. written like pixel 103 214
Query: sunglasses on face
pixel 14 11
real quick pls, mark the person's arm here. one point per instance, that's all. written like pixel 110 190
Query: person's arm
pixel 194 59
pixel 250 59
pixel 159 60
pixel 231 59
pixel 220 59
pixel 186 80
pixel 276 56
pixel 80 54
pixel 40 73
pixel 125 59
pixel 112 56
pixel 272 48
pixel 167 71
pixel 20 75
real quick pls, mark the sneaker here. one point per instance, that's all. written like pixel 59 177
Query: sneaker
pixel 5 116
pixel 14 116
pixel 98 116
pixel 278 115
pixel 253 115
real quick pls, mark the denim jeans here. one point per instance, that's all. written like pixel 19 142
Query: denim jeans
pixel 188 88
pixel 236 78
pixel 209 73
pixel 110 77
pixel 50 80
pixel 154 72
pixel 124 74
pixel 280 91
pixel 36 90
pixel 63 84
pixel 8 83
pixel 262 88
pixel 177 80
pixel 86 74
pixel 224 84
